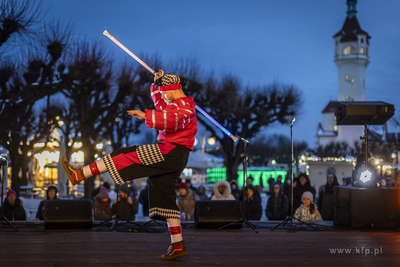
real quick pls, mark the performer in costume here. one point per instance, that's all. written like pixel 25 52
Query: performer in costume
pixel 164 161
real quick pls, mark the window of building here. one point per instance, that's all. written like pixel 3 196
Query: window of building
pixel 362 50
pixel 349 79
pixel 362 40
pixel 348 98
pixel 337 52
pixel 349 50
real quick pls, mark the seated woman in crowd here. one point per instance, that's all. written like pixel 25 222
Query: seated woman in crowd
pixel 12 207
pixel 222 191
pixel 308 210
pixel 51 194
pixel 101 205
pixel 201 192
pixel 253 209
pixel 235 191
pixel 277 205
pixel 326 199
pixel 187 200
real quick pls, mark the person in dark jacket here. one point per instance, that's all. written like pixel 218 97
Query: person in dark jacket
pixel 326 199
pixel 144 199
pixel 126 207
pixel 133 188
pixel 235 191
pixel 51 194
pixel 277 205
pixel 253 209
pixel 12 207
pixel 302 185
pixel 201 192
pixel 270 182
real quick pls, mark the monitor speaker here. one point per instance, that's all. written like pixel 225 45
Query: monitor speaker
pixel 68 214
pixel 363 112
pixel 367 207
pixel 218 214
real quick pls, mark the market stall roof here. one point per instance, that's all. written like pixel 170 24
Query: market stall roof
pixel 200 160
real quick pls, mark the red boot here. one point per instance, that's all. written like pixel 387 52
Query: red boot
pixel 174 251
pixel 75 173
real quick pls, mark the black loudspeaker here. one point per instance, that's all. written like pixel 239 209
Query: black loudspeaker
pixel 216 214
pixel 68 214
pixel 361 112
pixel 367 207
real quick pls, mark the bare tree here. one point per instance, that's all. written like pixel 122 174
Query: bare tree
pixel 18 17
pixel 277 147
pixel 333 149
pixel 22 85
pixel 22 127
pixel 242 111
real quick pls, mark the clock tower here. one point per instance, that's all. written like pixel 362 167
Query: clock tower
pixel 351 57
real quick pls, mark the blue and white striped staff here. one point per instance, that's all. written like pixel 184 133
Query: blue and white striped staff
pixel 157 74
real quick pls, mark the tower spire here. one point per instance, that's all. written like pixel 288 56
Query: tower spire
pixel 351 8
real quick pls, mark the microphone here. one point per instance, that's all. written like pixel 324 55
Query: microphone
pixel 3 161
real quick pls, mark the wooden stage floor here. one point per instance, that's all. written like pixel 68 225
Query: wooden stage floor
pixel 128 245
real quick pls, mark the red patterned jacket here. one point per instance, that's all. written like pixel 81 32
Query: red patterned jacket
pixel 176 122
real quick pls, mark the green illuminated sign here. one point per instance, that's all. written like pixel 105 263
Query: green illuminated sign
pixel 260 175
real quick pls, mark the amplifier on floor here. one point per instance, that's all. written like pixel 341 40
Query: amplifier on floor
pixel 367 207
pixel 216 214
pixel 68 214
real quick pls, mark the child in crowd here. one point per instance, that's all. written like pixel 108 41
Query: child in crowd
pixel 308 210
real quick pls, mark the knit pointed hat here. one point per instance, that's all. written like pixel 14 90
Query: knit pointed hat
pixel 170 82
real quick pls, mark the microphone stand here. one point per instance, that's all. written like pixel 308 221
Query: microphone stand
pixel 245 185
pixel 290 219
pixel 115 221
pixel 3 164
pixel 117 217
pixel 245 190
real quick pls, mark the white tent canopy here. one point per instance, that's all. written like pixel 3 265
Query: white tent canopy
pixel 200 160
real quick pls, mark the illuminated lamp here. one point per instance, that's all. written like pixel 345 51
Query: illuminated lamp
pixel 366 179
pixel 366 176
pixel 211 141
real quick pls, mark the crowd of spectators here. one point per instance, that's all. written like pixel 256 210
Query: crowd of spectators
pixel 308 204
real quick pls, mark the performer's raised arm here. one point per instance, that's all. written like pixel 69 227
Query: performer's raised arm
pixel 156 96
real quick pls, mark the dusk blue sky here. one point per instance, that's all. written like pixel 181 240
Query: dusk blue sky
pixel 258 41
